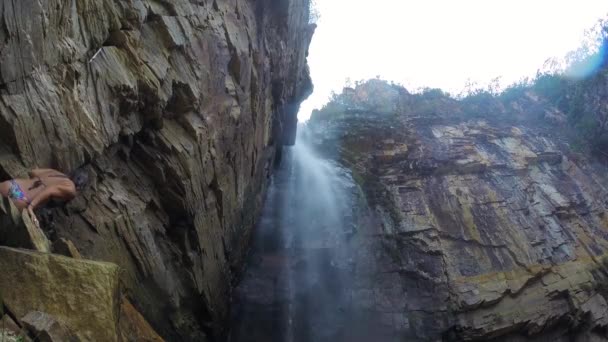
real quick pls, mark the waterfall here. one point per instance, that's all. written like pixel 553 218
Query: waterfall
pixel 299 282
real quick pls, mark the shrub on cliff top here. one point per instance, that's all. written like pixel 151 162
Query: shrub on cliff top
pixel 579 92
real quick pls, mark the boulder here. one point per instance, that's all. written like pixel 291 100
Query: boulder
pixel 81 294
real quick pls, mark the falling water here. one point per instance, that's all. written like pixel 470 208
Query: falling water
pixel 298 284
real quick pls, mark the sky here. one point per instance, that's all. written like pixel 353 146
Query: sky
pixel 441 43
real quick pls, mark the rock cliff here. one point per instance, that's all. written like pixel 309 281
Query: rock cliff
pixel 480 227
pixel 177 109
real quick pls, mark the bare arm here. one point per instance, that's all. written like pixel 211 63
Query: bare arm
pixel 40 172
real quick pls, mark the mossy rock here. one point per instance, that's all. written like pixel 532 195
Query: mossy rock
pixel 82 294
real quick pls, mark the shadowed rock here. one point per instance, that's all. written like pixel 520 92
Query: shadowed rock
pixel 45 328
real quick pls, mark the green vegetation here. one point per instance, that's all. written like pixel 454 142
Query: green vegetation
pixel 584 100
pixel 575 98
pixel 580 91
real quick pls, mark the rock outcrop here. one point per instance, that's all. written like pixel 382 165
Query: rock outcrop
pixel 81 294
pixel 178 110
pixel 479 229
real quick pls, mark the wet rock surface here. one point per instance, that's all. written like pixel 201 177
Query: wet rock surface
pixel 485 229
pixel 177 110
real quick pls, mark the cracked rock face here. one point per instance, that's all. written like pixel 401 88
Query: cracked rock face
pixel 177 109
pixel 479 229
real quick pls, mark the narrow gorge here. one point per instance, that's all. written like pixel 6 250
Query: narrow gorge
pixel 211 214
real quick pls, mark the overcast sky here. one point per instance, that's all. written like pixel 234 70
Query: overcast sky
pixel 441 43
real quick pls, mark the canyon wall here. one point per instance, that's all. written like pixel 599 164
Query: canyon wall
pixel 485 226
pixel 177 110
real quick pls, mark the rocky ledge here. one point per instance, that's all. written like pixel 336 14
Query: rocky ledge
pixel 178 110
pixel 479 229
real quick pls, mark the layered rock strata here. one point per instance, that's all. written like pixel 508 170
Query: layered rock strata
pixel 480 229
pixel 177 109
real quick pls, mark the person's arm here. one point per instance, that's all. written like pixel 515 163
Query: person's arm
pixel 40 172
